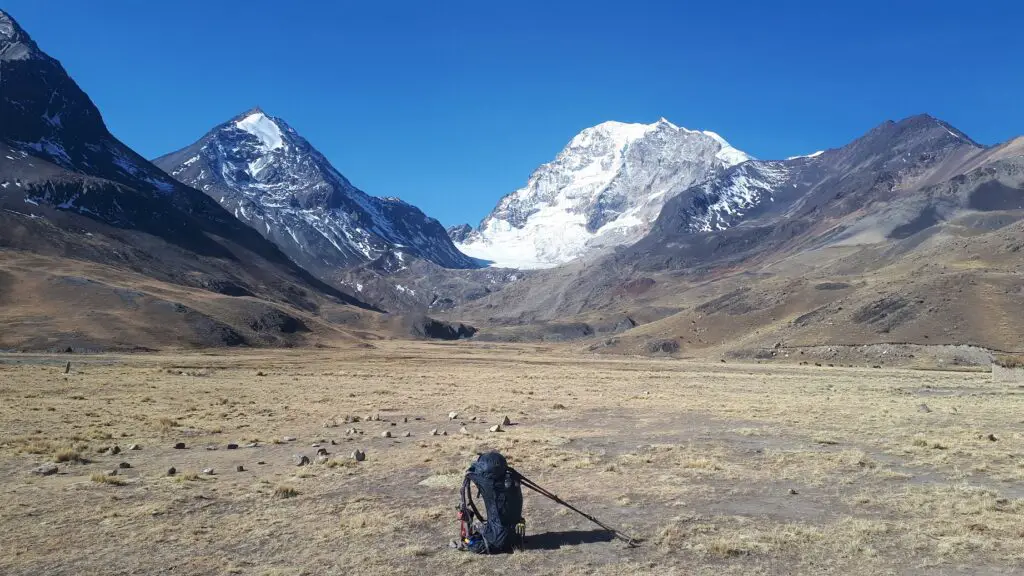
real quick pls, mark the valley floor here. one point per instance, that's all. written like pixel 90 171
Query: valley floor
pixel 720 468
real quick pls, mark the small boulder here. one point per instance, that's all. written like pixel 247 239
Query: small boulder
pixel 124 465
pixel 261 462
pixel 992 437
pixel 208 471
pixel 433 432
pixel 239 468
pixel 289 439
pixel 171 471
pixel 322 458
pixel 505 421
pixel 406 434
pixel 179 446
pixel 405 420
pixel 232 446
pixel 793 492
pixel 45 470
pixel 358 455
pixel 496 428
pixel 386 434
pixel 463 430
pixel 135 447
pixel 453 415
pixel 301 460
pixel 252 445
pixel 114 450
pixel 473 419
pixel 321 452
pixel 924 408
pixel 112 472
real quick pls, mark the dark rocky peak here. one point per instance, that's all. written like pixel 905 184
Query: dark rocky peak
pixel 15 43
pixel 921 139
pixel 460 233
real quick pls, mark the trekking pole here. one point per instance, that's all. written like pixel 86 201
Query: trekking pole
pixel 631 542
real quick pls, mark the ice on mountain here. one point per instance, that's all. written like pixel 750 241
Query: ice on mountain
pixel 263 128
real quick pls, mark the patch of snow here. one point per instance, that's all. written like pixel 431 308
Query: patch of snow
pixel 262 127
pixel 811 155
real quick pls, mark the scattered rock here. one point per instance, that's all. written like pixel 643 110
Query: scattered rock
pixel 171 471
pixel 358 455
pixel 67 367
pixel 463 430
pixel 208 471
pixel 239 468
pixel 992 437
pixel 135 447
pixel 453 415
pixel 333 443
pixel 473 419
pixel 289 439
pixel 301 460
pixel 433 431
pixel 386 434
pixel 505 421
pixel 444 432
pixel 924 408
pixel 45 470
pixel 793 492
pixel 211 448
pixel 407 434
pixel 252 445
pixel 314 445
pixel 261 462
pixel 321 452
pixel 405 420
pixel 496 428
pixel 394 424
pixel 124 465
pixel 114 450
pixel 322 459
pixel 112 472
pixel 232 446
pixel 260 373
pixel 331 424
pixel 558 406
pixel 179 446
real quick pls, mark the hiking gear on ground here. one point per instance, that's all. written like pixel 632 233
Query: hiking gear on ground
pixel 523 480
pixel 498 487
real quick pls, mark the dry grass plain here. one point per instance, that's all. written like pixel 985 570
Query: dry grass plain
pixel 720 468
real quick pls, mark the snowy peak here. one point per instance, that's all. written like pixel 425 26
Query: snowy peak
pixel 15 43
pixel 605 188
pixel 273 179
pixel 263 128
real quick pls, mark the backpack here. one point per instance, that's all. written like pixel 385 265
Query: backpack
pixel 498 486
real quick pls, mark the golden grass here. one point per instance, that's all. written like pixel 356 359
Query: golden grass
pixel 722 468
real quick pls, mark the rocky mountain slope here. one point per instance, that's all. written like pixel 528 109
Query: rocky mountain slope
pixel 908 235
pixel 268 176
pixel 101 249
pixel 603 190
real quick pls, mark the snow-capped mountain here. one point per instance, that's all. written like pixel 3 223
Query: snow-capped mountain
pixel 270 177
pixel 604 189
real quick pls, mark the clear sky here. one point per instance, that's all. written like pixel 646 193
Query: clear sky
pixel 450 104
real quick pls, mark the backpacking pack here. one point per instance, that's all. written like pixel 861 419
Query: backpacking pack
pixel 499 488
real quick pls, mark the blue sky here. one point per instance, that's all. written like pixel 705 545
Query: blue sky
pixel 450 104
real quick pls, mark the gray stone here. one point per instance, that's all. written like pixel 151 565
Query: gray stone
pixel 463 430
pixel 124 465
pixel 453 415
pixel 232 446
pixel 46 470
pixel 301 460
pixel 433 432
pixel 358 455
pixel 135 447
pixel 322 458
pixel 208 471
pixel 407 434
pixel 112 472
pixel 179 446
pixel 386 434
pixel 505 421
pixel 321 452
pixel 924 408
pixel 239 468
pixel 289 439
pixel 171 471
pixel 496 428
pixel 114 450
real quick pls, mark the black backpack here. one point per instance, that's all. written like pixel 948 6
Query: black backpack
pixel 498 486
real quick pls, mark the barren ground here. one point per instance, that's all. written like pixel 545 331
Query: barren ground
pixel 720 468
